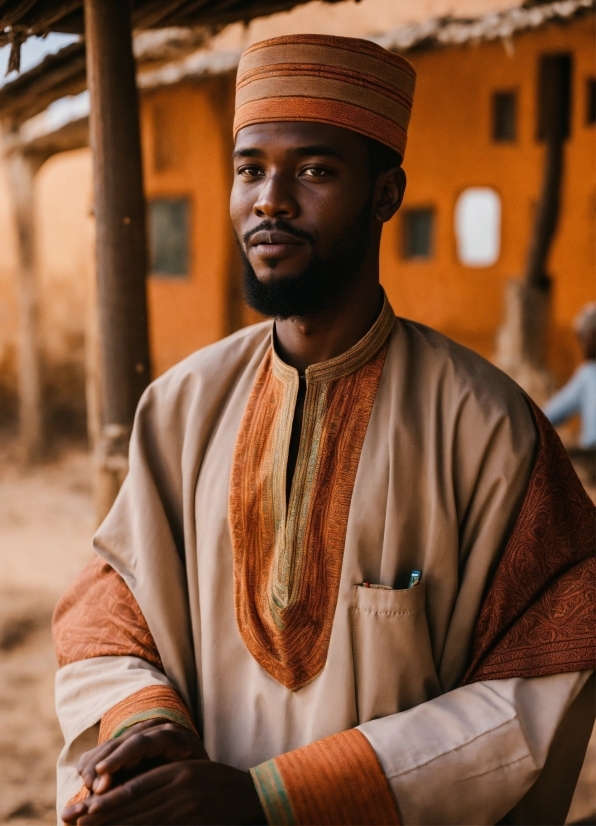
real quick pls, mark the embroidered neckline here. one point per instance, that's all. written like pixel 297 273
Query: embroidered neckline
pixel 346 363
pixel 288 558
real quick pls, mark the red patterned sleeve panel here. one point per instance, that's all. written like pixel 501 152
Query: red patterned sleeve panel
pixel 539 614
pixel 99 617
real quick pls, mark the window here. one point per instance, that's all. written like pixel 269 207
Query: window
pixel 168 236
pixel 504 117
pixel 418 232
pixel 591 100
pixel 478 227
pixel 554 95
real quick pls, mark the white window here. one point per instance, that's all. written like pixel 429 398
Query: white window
pixel 478 227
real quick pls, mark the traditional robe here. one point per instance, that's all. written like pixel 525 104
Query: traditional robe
pixel 283 627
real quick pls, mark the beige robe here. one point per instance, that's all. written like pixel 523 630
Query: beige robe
pixel 442 473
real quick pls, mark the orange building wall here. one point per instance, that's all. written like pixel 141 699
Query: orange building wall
pixel 184 156
pixel 450 149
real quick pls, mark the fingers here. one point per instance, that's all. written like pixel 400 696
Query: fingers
pixel 168 742
pixel 87 763
pixel 71 814
pixel 89 760
pixel 133 802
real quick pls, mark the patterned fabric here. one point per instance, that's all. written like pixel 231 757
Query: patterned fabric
pixel 336 780
pixel 539 615
pixel 342 81
pixel 288 559
pixel 99 617
pixel 149 703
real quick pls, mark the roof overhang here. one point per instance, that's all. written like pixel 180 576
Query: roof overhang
pixel 20 19
pixel 171 56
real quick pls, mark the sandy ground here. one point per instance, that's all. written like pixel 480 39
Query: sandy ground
pixel 46 523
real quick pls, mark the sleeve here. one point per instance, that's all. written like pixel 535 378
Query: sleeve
pixel 566 402
pixel 470 756
pixel 467 757
pixel 111 676
pixel 98 698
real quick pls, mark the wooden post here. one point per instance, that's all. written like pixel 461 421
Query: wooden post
pixel 521 340
pixel 553 105
pixel 21 169
pixel 120 231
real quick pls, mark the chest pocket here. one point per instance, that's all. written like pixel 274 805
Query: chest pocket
pixel 393 662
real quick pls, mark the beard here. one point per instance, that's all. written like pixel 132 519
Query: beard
pixel 322 283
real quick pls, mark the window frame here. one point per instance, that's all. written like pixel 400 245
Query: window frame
pixel 187 198
pixel 512 93
pixel 407 213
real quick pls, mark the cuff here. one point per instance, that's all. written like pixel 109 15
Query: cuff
pixel 338 780
pixel 150 703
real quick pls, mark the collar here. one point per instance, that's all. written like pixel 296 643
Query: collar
pixel 346 363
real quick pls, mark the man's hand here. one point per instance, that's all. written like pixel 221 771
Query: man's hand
pixel 140 748
pixel 190 791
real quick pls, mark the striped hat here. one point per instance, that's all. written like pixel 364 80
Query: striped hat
pixel 343 81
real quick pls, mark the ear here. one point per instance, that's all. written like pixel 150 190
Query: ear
pixel 390 188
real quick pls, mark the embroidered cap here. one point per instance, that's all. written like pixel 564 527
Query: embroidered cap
pixel 342 81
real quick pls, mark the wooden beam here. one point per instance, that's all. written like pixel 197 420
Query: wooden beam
pixel 21 171
pixel 120 224
pixel 56 76
pixel 45 17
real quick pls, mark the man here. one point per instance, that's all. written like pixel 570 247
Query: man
pixel 349 554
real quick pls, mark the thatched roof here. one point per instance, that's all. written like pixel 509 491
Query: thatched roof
pixel 20 19
pixel 430 34
pixel 64 73
pixel 181 58
pixel 502 25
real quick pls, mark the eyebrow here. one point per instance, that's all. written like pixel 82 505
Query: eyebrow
pixel 320 149
pixel 248 153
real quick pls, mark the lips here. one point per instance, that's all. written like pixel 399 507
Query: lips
pixel 274 243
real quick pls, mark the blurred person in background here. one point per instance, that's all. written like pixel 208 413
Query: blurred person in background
pixel 578 396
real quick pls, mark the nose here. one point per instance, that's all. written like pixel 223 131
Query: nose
pixel 275 198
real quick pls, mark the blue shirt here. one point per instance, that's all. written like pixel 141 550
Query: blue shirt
pixel 577 396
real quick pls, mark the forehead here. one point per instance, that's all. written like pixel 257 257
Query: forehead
pixel 287 136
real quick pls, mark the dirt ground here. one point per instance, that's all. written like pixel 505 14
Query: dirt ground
pixel 46 523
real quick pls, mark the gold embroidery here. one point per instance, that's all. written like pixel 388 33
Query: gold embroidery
pixel 287 559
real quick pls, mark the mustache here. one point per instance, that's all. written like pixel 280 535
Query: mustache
pixel 282 226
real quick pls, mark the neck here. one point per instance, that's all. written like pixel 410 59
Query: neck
pixel 301 342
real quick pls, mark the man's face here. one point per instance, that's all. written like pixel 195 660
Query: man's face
pixel 301 207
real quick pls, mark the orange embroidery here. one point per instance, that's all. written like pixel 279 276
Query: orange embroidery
pixel 149 703
pixel 338 780
pixel 81 795
pixel 99 617
pixel 539 616
pixel 287 560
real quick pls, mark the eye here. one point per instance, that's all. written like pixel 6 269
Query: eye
pixel 315 172
pixel 249 172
